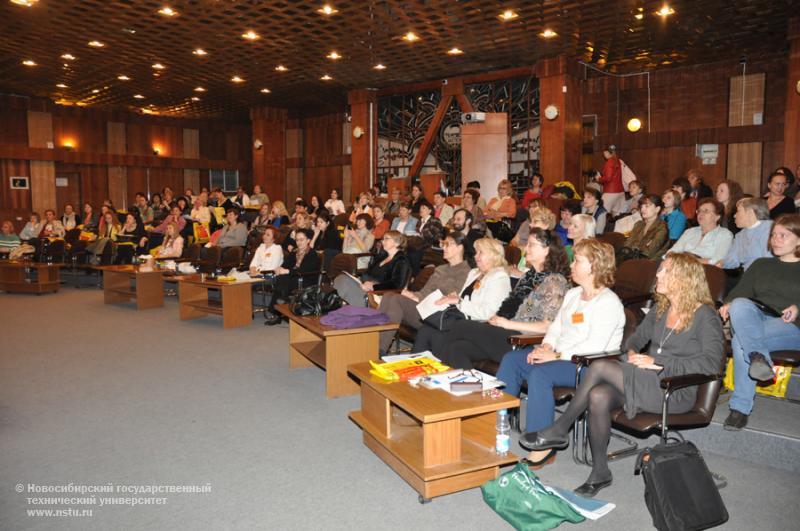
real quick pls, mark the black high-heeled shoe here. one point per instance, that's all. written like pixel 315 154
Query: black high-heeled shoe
pixel 589 490
pixel 534 442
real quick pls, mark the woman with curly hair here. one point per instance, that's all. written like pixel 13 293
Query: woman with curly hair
pixel 684 335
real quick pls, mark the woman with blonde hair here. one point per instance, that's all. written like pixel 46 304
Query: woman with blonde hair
pixel 504 205
pixel 483 292
pixel 172 246
pixel 684 335
pixel 279 215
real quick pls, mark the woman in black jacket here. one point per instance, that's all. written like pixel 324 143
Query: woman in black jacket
pixel 303 259
pixel 326 237
pixel 389 269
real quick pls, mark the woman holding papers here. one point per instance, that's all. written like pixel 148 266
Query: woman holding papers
pixel 481 296
pixel 591 319
pixel 529 308
pixel 685 337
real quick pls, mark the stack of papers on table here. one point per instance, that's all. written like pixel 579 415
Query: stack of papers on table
pixel 444 379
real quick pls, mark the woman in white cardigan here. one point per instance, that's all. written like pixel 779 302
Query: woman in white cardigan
pixel 484 291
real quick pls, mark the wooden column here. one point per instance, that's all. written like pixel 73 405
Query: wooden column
pixel 118 175
pixel 791 128
pixel 269 162
pixel 43 173
pixel 364 157
pixel 560 139
pixel 191 150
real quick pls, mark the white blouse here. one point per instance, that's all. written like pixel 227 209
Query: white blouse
pixel 267 258
pixel 487 297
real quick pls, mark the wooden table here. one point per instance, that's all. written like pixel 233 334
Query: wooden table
pixel 331 349
pixel 148 291
pixel 29 277
pixel 437 442
pixel 235 304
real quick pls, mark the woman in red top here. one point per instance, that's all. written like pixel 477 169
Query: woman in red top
pixel 536 190
pixel 611 179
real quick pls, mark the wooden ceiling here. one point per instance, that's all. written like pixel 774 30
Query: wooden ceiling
pixel 294 34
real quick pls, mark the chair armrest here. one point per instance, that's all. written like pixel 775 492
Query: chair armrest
pixel 587 359
pixel 671 383
pixel 525 340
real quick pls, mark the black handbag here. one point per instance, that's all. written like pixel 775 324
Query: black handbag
pixel 314 301
pixel 679 490
pixel 443 320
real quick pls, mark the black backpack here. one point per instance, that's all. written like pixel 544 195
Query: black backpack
pixel 679 490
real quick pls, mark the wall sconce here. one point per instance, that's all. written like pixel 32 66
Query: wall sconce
pixel 257 144
pixel 634 124
pixel 156 150
pixel 69 145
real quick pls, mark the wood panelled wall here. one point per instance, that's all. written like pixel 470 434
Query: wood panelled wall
pixel 688 106
pixel 111 154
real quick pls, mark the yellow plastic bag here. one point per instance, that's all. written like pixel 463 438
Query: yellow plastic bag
pixel 201 232
pixel 776 389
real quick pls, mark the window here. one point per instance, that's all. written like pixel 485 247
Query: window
pixel 228 180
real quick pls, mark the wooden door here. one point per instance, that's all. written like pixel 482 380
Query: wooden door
pixel 68 190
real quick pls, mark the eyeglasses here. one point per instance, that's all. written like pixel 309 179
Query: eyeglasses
pixel 781 235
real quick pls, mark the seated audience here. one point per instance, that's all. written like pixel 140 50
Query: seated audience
pixel 279 215
pixel 175 216
pixel 480 201
pixel 241 198
pixel 650 235
pixel 708 240
pixel 389 269
pixel 538 216
pixel 8 238
pixel 469 202
pixel 89 219
pixel 405 223
pixel 672 214
pixel 529 309
pixel 463 222
pixel 264 218
pixel 160 207
pixel 504 205
pixel 425 216
pixel 688 203
pixel 684 336
pixel 591 319
pixel 728 193
pixel 447 278
pixel 362 206
pixel 300 208
pixel 593 205
pixel 315 206
pixel 233 234
pixel 752 242
pixel 302 260
pixel 146 212
pixel 699 189
pixel 441 210
pixel 393 205
pixel 763 311
pixel 200 213
pixel 172 245
pixel 335 205
pixel 50 227
pixel 70 219
pixel 106 234
pixel 565 213
pixel 635 194
pixel 480 297
pixel 534 191
pixel 417 199
pixel 777 200
pixel 381 224
pixel 359 239
pixel 581 228
pixel 301 221
pixel 269 255
pixel 258 198
pixel 326 237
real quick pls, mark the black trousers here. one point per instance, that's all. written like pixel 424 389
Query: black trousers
pixel 465 343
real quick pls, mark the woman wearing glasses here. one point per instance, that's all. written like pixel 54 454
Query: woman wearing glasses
pixel 763 310
pixel 708 241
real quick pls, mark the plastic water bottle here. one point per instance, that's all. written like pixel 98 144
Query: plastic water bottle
pixel 503 437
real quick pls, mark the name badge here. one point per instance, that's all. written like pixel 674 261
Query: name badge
pixel 577 318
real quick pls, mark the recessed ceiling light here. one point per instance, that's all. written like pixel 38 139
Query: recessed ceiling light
pixel 195 98
pixel 95 91
pixel 237 79
pixel 379 66
pixel 638 16
pixel 158 66
pixel 199 51
pixel 265 91
pixel 199 89
pixel 455 51
pixel 508 14
pixel 281 68
pixel 167 11
pixel 25 3
pixel 123 78
pixel 326 77
pixel 548 33
pixel 138 96
pixel 96 44
pixel 410 37
pixel 665 11
pixel 327 9
pixel 333 55
pixel 251 35
pixel 29 62
pixel 62 85
pixel 67 56
pixel 129 31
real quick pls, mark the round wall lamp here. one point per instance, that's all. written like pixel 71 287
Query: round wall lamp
pixel 358 132
pixel 634 124
pixel 551 112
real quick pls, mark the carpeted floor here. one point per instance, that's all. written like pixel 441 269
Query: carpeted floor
pixel 107 396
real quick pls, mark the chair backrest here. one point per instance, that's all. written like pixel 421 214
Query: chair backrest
pixel 615 239
pixel 513 254
pixel 72 235
pixel 341 220
pixel 192 252
pixel 341 263
pixel 422 278
pixel 231 256
pixel 432 256
pixel 716 283
pixel 635 277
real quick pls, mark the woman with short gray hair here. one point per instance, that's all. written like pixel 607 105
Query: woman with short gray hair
pixel 750 243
